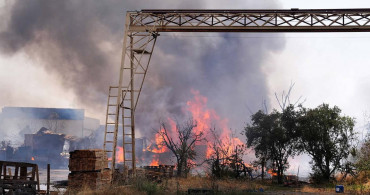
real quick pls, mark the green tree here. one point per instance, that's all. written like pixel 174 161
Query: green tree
pixel 327 137
pixel 362 163
pixel 273 137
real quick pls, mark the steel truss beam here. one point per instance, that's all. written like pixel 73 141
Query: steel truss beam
pixel 141 32
pixel 294 20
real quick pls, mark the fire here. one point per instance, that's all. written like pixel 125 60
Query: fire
pixel 158 147
pixel 119 155
pixel 32 158
pixel 205 119
pixel 272 172
pixel 155 161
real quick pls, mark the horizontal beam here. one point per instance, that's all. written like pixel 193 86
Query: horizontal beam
pixel 293 10
pixel 253 29
pixel 294 20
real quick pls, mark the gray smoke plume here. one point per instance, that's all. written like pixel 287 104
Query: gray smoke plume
pixel 81 42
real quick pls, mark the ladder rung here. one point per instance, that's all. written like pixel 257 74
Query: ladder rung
pixel 128 134
pixel 127 125
pixel 128 143
pixel 139 72
pixel 116 87
pixel 128 159
pixel 113 96
pixel 110 132
pixel 108 141
pixel 108 151
pixel 110 123
pixel 112 104
pixel 127 117
pixel 111 113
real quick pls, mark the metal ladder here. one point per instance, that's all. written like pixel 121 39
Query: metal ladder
pixel 128 134
pixel 110 135
pixel 123 99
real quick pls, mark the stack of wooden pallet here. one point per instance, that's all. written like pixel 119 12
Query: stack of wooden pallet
pixel 159 172
pixel 89 169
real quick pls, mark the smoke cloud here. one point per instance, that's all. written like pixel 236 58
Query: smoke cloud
pixel 81 42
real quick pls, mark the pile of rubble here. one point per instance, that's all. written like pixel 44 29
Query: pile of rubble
pixel 89 169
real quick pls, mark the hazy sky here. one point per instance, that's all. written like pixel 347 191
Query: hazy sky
pixel 326 67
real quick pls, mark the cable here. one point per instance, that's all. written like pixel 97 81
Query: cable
pixel 247 37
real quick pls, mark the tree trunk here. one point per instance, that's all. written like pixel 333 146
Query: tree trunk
pixel 280 172
pixel 179 168
pixel 263 169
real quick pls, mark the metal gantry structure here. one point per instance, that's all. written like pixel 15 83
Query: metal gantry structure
pixel 143 27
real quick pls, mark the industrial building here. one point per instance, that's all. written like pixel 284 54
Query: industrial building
pixel 28 120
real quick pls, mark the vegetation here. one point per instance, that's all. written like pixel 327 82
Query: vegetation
pixel 327 137
pixel 273 137
pixel 362 164
pixel 181 144
pixel 181 185
pixel 226 159
pixel 322 132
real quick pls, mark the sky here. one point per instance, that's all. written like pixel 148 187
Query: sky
pixel 325 67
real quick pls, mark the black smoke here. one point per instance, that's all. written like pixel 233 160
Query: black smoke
pixel 81 41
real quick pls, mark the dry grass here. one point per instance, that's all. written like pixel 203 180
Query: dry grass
pixel 181 185
pixel 225 186
pixel 108 190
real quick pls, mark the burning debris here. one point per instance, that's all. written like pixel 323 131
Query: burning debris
pixel 206 121
pixel 44 147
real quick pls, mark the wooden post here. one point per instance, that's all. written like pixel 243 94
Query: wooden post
pixel 37 177
pixel 48 180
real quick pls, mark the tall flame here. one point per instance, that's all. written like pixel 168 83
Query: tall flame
pixel 205 119
pixel 119 155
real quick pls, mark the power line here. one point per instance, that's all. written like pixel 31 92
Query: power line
pixel 259 37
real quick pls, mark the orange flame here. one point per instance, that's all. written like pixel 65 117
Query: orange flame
pixel 205 118
pixel 155 161
pixel 119 155
pixel 272 172
pixel 158 147
pixel 32 158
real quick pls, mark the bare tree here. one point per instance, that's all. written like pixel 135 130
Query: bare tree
pixel 226 159
pixel 181 144
pixel 284 101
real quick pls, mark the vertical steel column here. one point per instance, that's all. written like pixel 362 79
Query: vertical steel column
pixel 132 96
pixel 119 94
